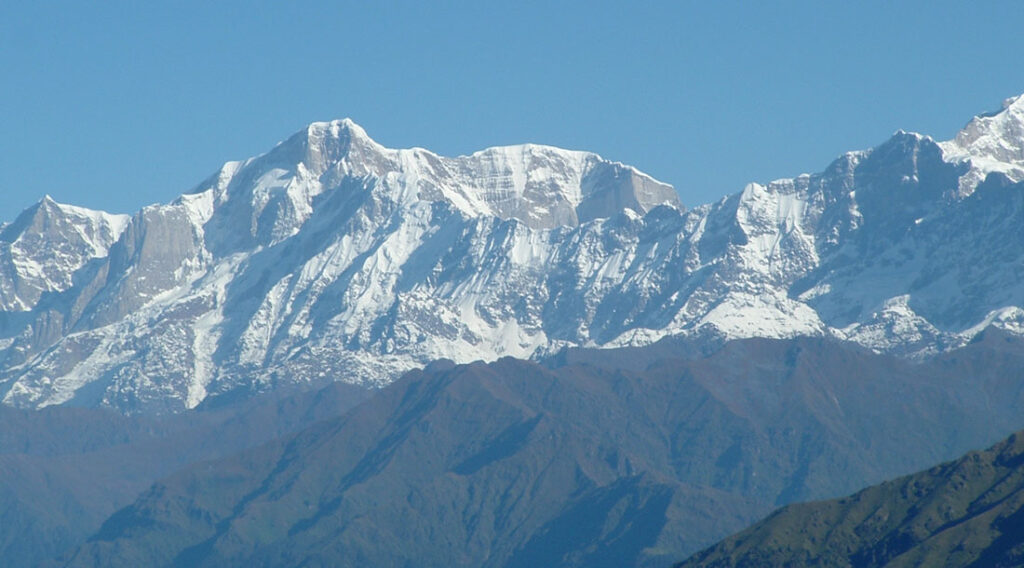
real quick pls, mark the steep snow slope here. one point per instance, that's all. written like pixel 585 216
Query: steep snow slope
pixel 332 257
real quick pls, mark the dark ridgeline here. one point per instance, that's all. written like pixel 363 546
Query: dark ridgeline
pixel 969 512
pixel 575 464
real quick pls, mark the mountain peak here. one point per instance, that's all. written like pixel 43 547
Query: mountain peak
pixel 1006 121
pixel 46 206
pixel 1012 104
pixel 46 244
pixel 541 186
pixel 900 133
pixel 991 142
pixel 321 145
pixel 345 128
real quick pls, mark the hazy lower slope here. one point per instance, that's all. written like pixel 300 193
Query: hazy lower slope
pixel 64 470
pixel 969 512
pixel 512 463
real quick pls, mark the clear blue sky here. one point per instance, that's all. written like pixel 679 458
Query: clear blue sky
pixel 115 105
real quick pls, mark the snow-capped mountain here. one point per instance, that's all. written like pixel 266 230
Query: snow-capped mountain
pixel 334 258
pixel 47 245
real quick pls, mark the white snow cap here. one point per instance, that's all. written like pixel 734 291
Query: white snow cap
pixel 991 142
pixel 542 186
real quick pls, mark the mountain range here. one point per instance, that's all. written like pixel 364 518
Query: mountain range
pixel 331 258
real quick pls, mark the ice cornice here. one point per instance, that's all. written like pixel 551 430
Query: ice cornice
pixel 986 131
pixel 917 136
pixel 530 148
pixel 344 128
pixel 1008 103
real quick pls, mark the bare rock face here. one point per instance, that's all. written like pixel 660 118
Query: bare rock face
pixel 332 257
pixel 46 245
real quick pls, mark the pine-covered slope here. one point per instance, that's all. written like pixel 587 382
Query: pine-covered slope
pixel 583 464
pixel 969 512
pixel 334 257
